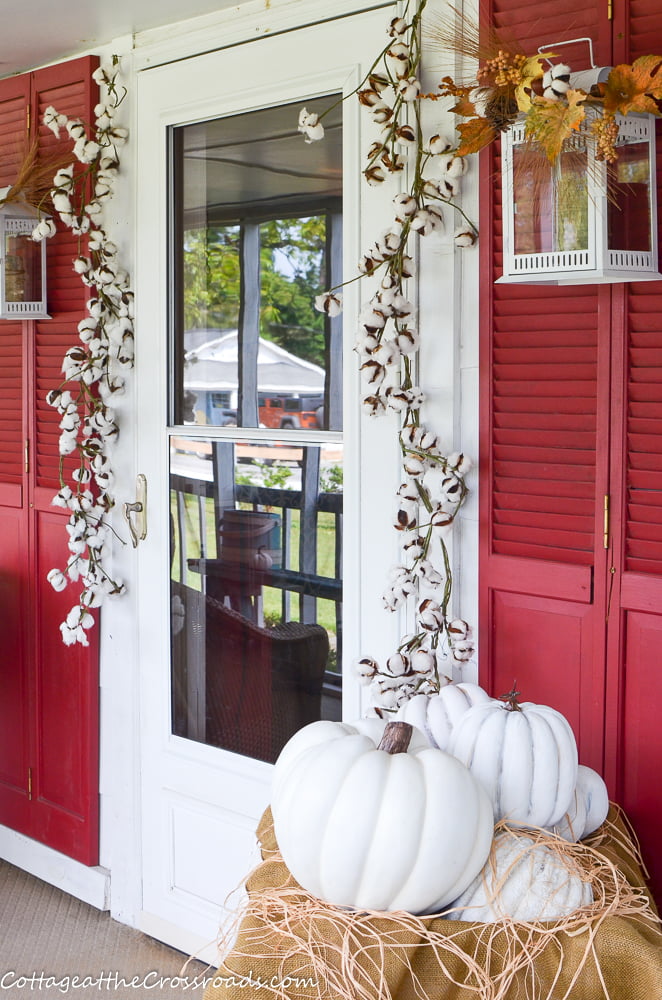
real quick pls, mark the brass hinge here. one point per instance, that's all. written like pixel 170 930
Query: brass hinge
pixel 605 536
pixel 610 10
pixel 28 115
pixel 30 783
pixel 26 454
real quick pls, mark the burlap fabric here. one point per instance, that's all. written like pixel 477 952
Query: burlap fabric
pixel 284 948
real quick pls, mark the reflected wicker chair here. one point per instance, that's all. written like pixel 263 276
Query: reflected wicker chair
pixel 262 684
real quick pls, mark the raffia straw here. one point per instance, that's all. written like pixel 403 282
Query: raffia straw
pixel 346 950
pixel 628 842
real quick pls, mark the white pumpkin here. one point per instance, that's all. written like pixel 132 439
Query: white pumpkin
pixel 525 756
pixel 588 807
pixel 523 880
pixel 360 826
pixel 438 714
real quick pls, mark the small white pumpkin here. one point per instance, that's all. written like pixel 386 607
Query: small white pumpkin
pixel 374 828
pixel 588 808
pixel 525 756
pixel 438 714
pixel 523 880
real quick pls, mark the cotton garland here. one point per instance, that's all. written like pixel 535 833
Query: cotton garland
pixel 94 370
pixel 433 488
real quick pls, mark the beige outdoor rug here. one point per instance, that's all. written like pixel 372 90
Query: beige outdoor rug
pixel 47 938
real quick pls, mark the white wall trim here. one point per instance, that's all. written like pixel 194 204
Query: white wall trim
pixel 243 23
pixel 91 885
pixel 190 944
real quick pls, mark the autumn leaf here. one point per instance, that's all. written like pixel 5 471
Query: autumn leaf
pixel 464 107
pixel 532 69
pixel 475 134
pixel 550 122
pixel 635 88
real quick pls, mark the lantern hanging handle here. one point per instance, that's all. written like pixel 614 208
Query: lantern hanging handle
pixel 571 41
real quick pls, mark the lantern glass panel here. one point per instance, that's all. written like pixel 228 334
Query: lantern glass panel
pixel 22 268
pixel 551 201
pixel 629 199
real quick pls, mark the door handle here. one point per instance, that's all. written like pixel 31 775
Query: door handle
pixel 137 509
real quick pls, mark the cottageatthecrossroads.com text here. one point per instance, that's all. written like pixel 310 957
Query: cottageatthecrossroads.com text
pixel 110 981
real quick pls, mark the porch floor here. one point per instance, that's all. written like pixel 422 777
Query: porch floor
pixel 49 937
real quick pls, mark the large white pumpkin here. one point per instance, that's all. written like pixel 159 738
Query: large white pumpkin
pixel 360 826
pixel 523 880
pixel 438 714
pixel 588 808
pixel 525 756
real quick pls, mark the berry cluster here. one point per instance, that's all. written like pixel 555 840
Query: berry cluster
pixel 502 70
pixel 605 131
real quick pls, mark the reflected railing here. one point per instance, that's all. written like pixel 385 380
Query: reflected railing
pixel 256 541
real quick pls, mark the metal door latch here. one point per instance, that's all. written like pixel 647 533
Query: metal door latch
pixel 137 509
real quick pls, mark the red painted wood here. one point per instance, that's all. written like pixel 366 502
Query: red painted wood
pixel 50 714
pixel 640 757
pixel 525 624
pixel 14 699
pixel 66 709
pixel 555 580
pixel 551 449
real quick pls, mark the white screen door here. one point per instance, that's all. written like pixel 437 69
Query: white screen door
pixel 241 438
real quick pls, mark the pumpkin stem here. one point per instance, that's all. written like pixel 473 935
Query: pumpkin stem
pixel 512 704
pixel 396 737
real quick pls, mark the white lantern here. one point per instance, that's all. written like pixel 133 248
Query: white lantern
pixel 580 220
pixel 22 264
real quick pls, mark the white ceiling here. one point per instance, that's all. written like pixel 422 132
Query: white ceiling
pixel 34 32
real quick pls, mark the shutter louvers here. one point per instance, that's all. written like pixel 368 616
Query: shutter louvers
pixel 643 537
pixel 544 420
pixel 11 406
pixel 52 339
pixel 643 527
pixel 14 104
pixel 71 91
pixel 544 385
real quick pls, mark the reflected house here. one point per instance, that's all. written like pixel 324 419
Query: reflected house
pixel 286 383
pixel 244 680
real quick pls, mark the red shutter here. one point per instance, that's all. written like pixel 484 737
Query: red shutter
pixel 49 708
pixel 571 428
pixel 634 735
pixel 540 359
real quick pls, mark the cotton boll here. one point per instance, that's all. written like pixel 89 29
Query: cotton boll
pixel 556 82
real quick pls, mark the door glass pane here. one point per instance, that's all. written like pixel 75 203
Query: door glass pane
pixel 256 590
pixel 256 522
pixel 255 239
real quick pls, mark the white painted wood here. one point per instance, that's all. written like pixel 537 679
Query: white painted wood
pixel 92 885
pixel 201 804
pixel 242 22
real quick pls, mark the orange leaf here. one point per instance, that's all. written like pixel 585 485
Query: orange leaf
pixel 475 134
pixel 464 107
pixel 551 122
pixel 635 88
